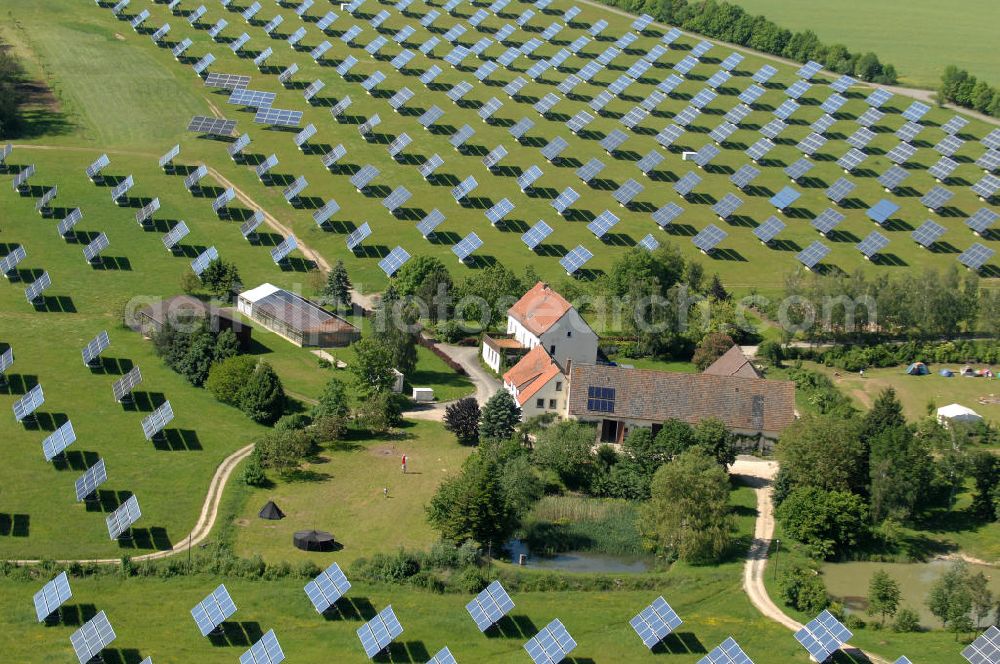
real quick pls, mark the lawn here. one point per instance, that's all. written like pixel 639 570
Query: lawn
pixel 742 262
pixel 909 34
pixel 917 392
pixel 342 492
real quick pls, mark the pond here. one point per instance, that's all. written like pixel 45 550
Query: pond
pixel 580 561
pixel 848 582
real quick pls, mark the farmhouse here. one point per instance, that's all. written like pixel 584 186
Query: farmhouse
pixel 543 317
pixel 537 384
pixel 295 318
pixel 618 399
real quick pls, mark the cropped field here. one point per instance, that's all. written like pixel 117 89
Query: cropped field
pixel 919 37
pixel 742 262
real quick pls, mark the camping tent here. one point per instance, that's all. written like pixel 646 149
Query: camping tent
pixel 271 512
pixel 917 369
pixel 957 413
pixel 947 373
pixel 313 540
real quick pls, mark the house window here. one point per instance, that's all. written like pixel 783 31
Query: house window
pixel 558 386
pixel 601 399
pixel 539 403
pixel 569 333
pixel 552 403
pixel 552 349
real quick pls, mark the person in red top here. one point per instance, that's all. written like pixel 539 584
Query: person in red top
pixel 404 463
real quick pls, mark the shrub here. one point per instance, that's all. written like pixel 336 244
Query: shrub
pixel 253 472
pixel 462 419
pixel 906 620
pixel 292 422
pixel 328 429
pixel 226 379
pixel 263 397
pixel 472 580
pixel 803 589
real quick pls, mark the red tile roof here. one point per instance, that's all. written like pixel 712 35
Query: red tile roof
pixel 748 404
pixel 532 372
pixel 733 363
pixel 540 308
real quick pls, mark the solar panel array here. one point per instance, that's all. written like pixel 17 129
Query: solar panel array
pixel 976 256
pixel 378 633
pixel 124 386
pixel 328 587
pixel 265 651
pixel 95 347
pixel 984 649
pixel 823 636
pixel 727 652
pixel 91 479
pixel 26 405
pixel 467 246
pixel 123 517
pixel 94 636
pixel 57 441
pixel 212 611
pixel 551 645
pixel 575 259
pixel 655 622
pixel 154 423
pixel 53 594
pixel 393 261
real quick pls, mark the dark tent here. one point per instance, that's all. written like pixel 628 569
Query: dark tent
pixel 313 540
pixel 271 512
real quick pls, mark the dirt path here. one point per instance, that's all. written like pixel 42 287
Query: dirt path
pixel 913 93
pixel 271 220
pixel 485 383
pixel 202 528
pixel 759 474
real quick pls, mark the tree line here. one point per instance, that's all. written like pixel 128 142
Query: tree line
pixel 930 304
pixel 960 87
pixel 12 95
pixel 734 24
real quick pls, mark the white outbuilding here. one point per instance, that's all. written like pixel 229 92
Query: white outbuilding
pixel 957 413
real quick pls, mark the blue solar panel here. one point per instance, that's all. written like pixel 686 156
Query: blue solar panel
pixel 823 636
pixel 328 587
pixel 490 605
pixel 575 259
pixel 551 644
pixel 769 229
pixel 707 239
pixel 812 255
pixel 655 622
pixel 882 211
pixel 784 198
pixel 378 633
pixel 536 234
pixel 727 652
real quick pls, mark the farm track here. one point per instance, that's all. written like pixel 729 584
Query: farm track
pixel 759 474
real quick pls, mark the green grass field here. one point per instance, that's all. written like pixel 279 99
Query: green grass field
pixel 151 618
pixel 342 493
pixel 82 302
pixel 919 37
pixel 115 92
pixel 743 263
